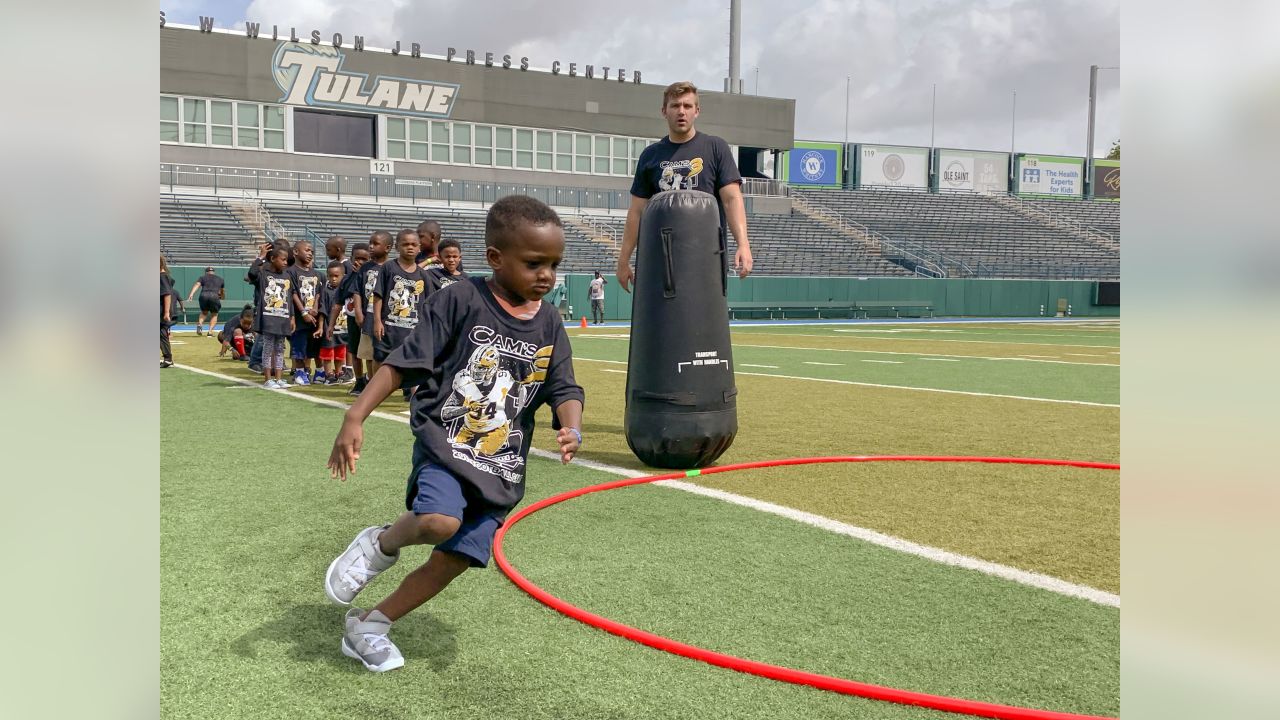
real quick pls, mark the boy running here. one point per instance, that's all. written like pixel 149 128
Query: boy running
pixel 212 293
pixel 487 355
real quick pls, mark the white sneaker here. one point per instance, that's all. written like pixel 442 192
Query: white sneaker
pixel 281 384
pixel 270 384
pixel 361 562
pixel 366 640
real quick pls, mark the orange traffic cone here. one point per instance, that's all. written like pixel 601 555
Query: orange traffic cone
pixel 583 325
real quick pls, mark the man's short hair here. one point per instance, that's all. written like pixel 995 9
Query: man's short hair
pixel 449 243
pixel 335 264
pixel 359 246
pixel 506 216
pixel 676 89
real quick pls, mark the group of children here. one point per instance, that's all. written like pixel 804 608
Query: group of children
pixel 355 312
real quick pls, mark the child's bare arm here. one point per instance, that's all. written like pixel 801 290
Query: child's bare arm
pixel 346 447
pixel 569 413
pixel 377 317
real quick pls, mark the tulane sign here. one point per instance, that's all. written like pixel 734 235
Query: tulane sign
pixel 313 75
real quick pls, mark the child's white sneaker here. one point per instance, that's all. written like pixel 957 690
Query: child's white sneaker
pixel 366 640
pixel 361 562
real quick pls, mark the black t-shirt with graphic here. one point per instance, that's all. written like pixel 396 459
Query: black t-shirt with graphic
pixel 704 162
pixel 306 286
pixel 481 374
pixel 403 293
pixel 441 279
pixel 166 288
pixel 332 296
pixel 369 274
pixel 210 285
pixel 351 285
pixel 275 309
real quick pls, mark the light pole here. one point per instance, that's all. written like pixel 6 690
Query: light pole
pixel 757 80
pixel 933 115
pixel 846 109
pixel 1093 108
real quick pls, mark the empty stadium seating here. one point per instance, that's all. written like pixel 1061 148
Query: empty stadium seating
pixel 202 230
pixel 988 235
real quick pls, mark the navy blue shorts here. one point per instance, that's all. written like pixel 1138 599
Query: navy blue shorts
pixel 433 489
pixel 301 345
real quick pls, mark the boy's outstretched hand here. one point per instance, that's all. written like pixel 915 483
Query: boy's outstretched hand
pixel 569 440
pixel 346 449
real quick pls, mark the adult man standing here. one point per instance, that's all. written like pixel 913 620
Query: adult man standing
pixel 596 294
pixel 686 160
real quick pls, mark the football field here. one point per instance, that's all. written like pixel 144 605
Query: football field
pixel 997 583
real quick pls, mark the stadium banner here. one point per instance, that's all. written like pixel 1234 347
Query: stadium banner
pixel 1050 175
pixel 893 166
pixel 815 164
pixel 1106 179
pixel 985 172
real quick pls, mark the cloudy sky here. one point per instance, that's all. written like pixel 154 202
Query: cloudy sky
pixel 977 52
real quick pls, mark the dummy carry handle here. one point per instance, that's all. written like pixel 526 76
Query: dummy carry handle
pixel 669 282
pixel 674 398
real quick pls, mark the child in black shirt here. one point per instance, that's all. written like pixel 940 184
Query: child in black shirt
pixel 333 351
pixel 485 357
pixel 304 343
pixel 449 270
pixel 237 335
pixel 379 245
pixel 349 297
pixel 275 316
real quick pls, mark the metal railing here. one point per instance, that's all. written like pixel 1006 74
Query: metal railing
pixel 1021 205
pixel 378 187
pixel 765 187
pixel 933 263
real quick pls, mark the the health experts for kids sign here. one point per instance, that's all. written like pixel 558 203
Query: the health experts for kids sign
pixel 1047 175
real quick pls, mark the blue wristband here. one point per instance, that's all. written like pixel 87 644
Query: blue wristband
pixel 577 434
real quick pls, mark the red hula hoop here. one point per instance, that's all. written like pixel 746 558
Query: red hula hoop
pixel 777 672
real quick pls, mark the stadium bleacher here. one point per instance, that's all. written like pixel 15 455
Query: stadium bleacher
pixel 988 233
pixel 978 235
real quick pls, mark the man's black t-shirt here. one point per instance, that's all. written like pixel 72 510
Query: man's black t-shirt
pixel 403 293
pixel 275 309
pixel 481 374
pixel 210 285
pixel 703 162
pixel 368 283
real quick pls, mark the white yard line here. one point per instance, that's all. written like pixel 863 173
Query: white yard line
pixel 809 362
pixel 1028 358
pixel 771 367
pixel 950 340
pixel 941 359
pixel 611 370
pixel 886 362
pixel 1084 355
pixel 891 387
pixel 1023 577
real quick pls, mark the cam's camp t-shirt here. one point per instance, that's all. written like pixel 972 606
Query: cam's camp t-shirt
pixel 331 298
pixel 402 292
pixel 210 285
pixel 596 291
pixel 369 274
pixel 306 285
pixel 704 162
pixel 441 279
pixel 275 310
pixel 481 374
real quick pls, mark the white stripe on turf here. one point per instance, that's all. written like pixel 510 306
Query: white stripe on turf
pixel 1023 577
pixel 890 387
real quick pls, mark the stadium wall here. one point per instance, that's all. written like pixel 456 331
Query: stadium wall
pixel 952 297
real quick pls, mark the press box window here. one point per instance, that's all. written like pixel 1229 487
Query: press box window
pixel 330 133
